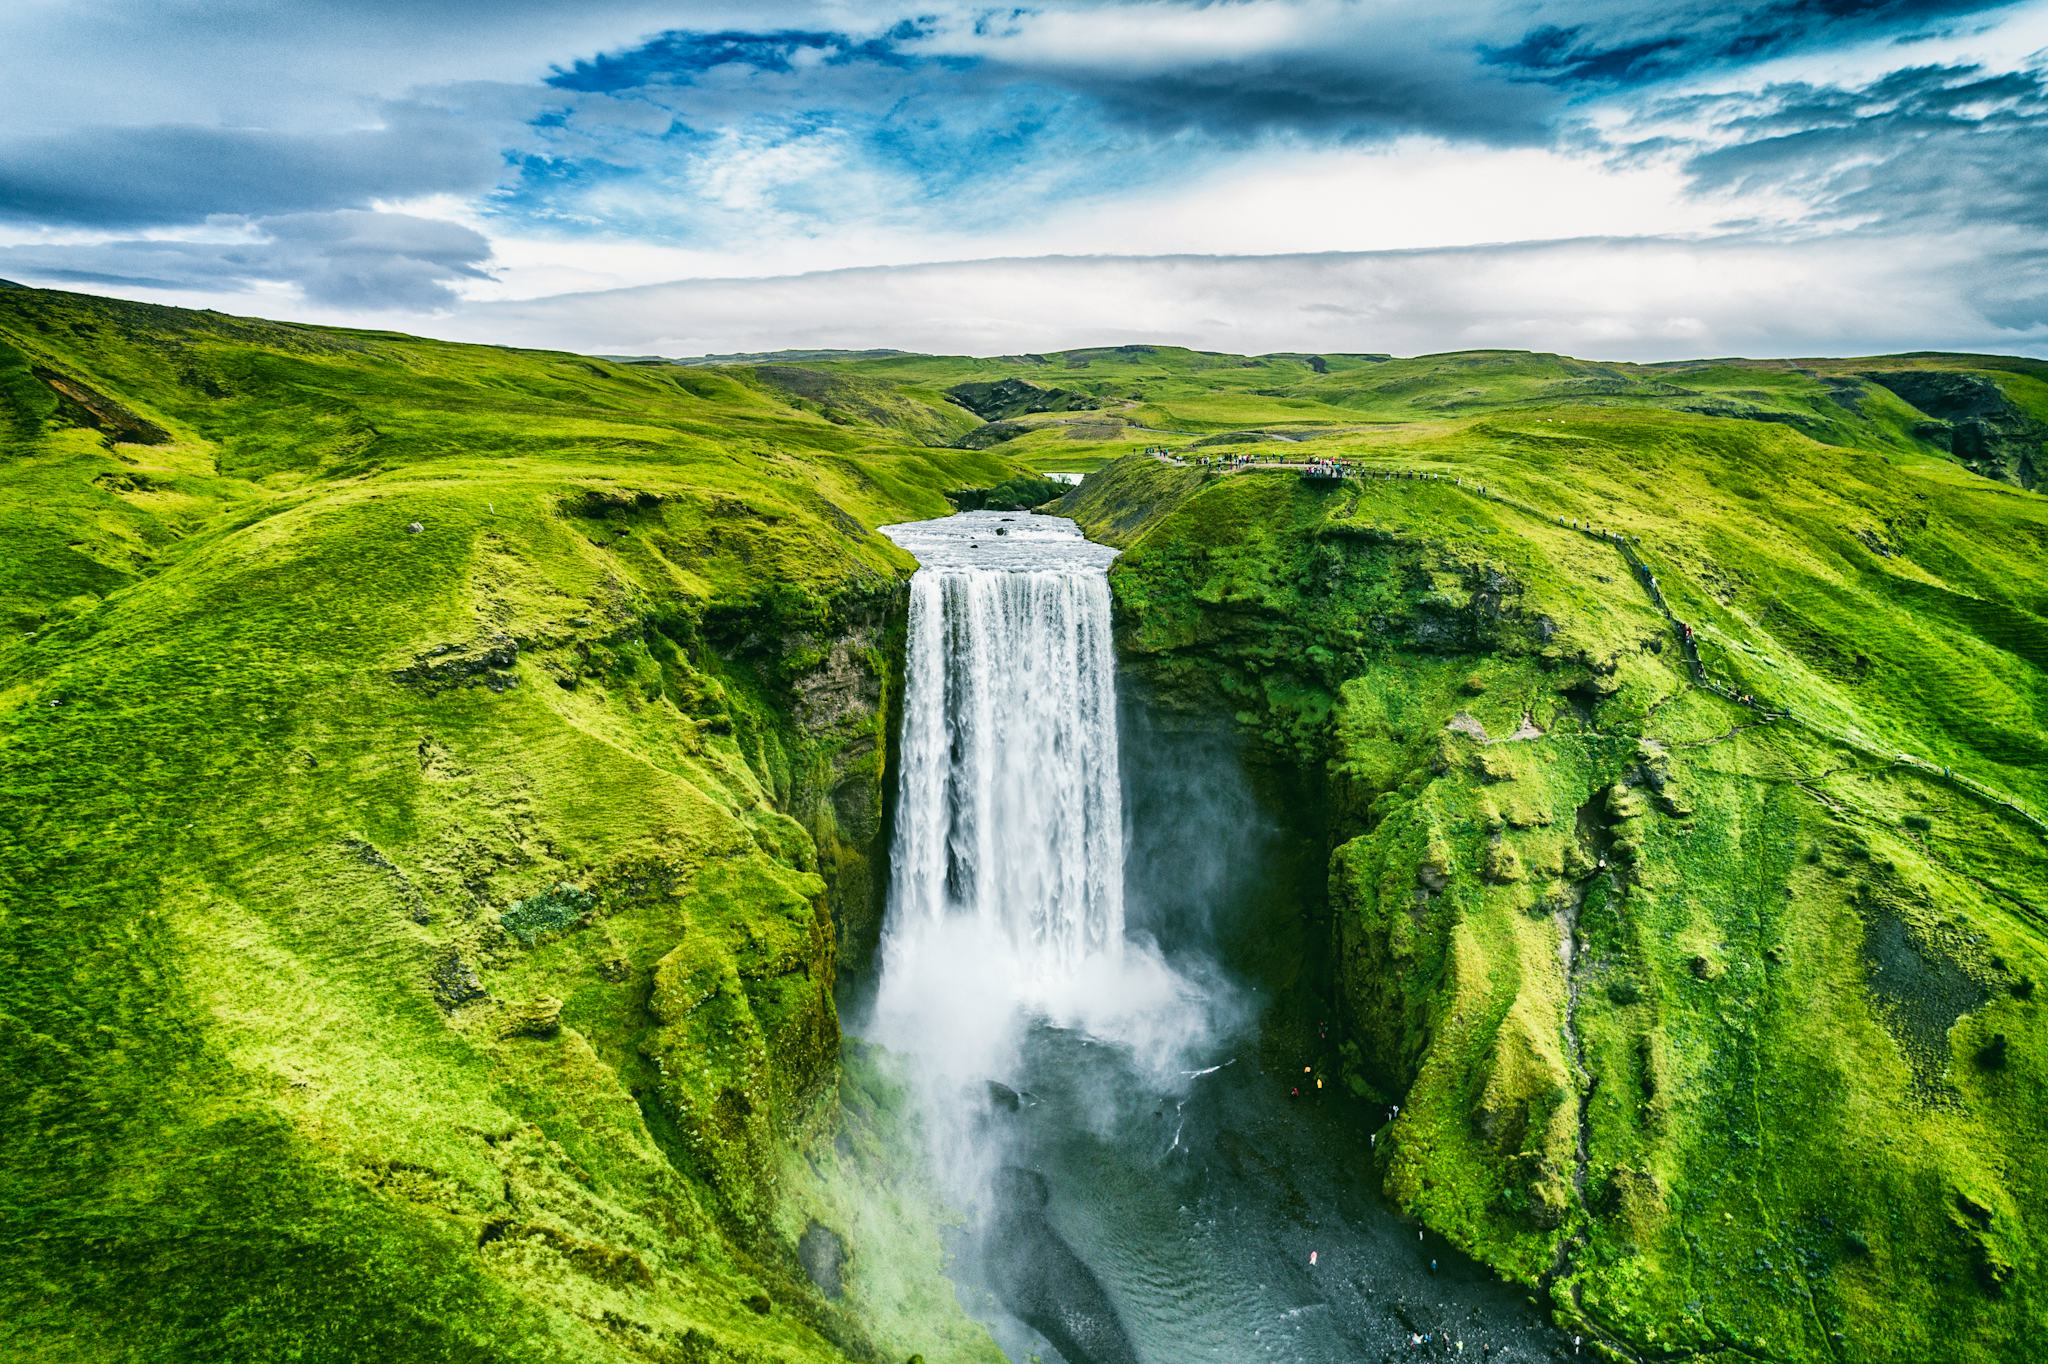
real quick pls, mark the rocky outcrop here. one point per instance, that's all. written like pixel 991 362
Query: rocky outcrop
pixel 1975 421
pixel 1043 1281
pixel 843 707
pixel 1016 398
pixel 79 404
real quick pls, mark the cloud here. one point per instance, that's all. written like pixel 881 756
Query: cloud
pixel 348 258
pixel 140 177
pixel 980 118
pixel 1931 146
pixel 1638 45
pixel 287 152
pixel 258 63
pixel 679 56
pixel 1623 299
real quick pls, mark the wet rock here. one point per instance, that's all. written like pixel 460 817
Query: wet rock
pixel 1040 1278
pixel 1465 723
pixel 823 1255
pixel 844 687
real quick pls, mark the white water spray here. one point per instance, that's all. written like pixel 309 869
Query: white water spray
pixel 1007 904
pixel 1012 812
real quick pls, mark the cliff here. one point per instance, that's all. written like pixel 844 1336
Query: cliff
pixel 1684 875
pixel 435 780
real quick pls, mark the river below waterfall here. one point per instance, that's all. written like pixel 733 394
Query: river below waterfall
pixel 1111 1084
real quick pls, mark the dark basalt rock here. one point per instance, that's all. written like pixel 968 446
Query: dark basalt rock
pixel 1040 1278
pixel 455 982
pixel 81 405
pixel 1016 397
pixel 823 1256
pixel 1974 421
pixel 485 664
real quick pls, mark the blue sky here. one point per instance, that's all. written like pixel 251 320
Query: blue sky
pixel 1785 177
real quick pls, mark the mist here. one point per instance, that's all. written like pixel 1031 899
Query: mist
pixel 1102 977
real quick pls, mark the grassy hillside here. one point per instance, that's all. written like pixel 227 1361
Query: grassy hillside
pixel 1710 1000
pixel 1988 413
pixel 426 773
pixel 440 786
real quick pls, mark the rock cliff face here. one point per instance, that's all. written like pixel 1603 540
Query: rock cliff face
pixel 1014 397
pixel 1975 421
pixel 435 773
pixel 844 709
pixel 1690 1023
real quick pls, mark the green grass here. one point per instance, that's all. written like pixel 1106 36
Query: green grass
pixel 308 1052
pixel 1792 1148
pixel 422 944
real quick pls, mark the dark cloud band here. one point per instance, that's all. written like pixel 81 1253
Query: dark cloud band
pixel 347 258
pixel 120 177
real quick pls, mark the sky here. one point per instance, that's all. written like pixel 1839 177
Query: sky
pixel 1605 179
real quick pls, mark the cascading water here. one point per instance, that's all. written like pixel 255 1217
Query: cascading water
pixel 1011 809
pixel 1006 911
pixel 1133 1193
pixel 1007 897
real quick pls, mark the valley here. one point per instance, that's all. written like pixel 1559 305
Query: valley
pixel 450 803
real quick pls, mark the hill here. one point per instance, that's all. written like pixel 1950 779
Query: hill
pixel 441 789
pixel 1682 776
pixel 429 773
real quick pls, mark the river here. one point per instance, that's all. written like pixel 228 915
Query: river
pixel 1112 1098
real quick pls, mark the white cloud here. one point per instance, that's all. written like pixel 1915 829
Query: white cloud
pixel 1416 193
pixel 2001 40
pixel 1158 35
pixel 1286 124
pixel 1655 299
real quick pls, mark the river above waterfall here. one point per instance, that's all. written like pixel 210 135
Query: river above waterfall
pixel 1120 1096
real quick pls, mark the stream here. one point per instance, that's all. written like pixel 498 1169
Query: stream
pixel 1116 1057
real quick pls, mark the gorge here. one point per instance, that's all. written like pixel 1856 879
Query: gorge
pixel 451 796
pixel 1142 1183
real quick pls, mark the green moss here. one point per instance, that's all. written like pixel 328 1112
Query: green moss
pixel 1585 926
pixel 302 1056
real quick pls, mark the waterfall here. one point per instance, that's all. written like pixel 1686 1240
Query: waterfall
pixel 1010 806
pixel 1006 906
pixel 1007 896
pixel 1084 1098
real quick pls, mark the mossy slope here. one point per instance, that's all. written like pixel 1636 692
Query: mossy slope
pixel 427 773
pixel 420 944
pixel 1720 1024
